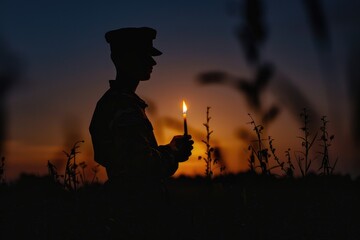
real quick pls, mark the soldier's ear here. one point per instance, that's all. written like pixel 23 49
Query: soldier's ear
pixel 119 60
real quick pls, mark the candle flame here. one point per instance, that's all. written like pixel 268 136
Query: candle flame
pixel 184 108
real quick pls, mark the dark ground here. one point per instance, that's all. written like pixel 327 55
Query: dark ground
pixel 241 206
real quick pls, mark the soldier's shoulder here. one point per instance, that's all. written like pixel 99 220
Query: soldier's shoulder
pixel 115 99
pixel 121 109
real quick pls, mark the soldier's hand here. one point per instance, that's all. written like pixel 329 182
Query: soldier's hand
pixel 182 146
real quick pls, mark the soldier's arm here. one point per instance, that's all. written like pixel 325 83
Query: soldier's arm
pixel 140 157
pixel 137 152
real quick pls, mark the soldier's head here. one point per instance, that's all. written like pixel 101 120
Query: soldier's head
pixel 132 51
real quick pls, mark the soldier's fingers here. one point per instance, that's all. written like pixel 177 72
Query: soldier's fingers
pixel 187 137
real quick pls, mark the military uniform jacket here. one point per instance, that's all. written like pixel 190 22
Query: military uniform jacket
pixel 124 142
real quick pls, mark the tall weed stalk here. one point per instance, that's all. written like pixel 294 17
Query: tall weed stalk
pixel 325 139
pixel 212 154
pixel 303 157
pixel 259 152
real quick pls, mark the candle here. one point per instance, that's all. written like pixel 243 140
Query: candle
pixel 184 115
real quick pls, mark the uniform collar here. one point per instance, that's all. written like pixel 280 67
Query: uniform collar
pixel 114 85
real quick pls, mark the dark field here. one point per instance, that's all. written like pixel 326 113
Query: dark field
pixel 241 206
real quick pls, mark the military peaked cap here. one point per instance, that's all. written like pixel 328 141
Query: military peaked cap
pixel 128 40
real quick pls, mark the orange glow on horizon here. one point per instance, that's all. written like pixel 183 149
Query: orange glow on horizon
pixel 30 148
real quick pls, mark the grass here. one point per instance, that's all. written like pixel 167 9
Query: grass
pixel 263 157
pixel 247 206
pixel 74 174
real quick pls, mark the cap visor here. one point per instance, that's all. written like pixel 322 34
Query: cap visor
pixel 155 52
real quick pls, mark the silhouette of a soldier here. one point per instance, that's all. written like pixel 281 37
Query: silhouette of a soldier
pixel 124 142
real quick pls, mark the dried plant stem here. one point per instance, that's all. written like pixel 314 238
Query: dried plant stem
pixel 261 152
pixel 70 176
pixel 208 159
pixel 213 155
pixel 326 167
pixel 304 161
pixel 277 159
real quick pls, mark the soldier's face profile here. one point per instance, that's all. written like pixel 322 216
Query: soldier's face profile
pixel 138 66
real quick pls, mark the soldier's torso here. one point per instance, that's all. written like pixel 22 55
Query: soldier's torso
pixel 116 113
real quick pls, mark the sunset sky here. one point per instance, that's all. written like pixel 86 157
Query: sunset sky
pixel 64 65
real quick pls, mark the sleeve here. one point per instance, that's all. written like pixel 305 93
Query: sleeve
pixel 137 149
